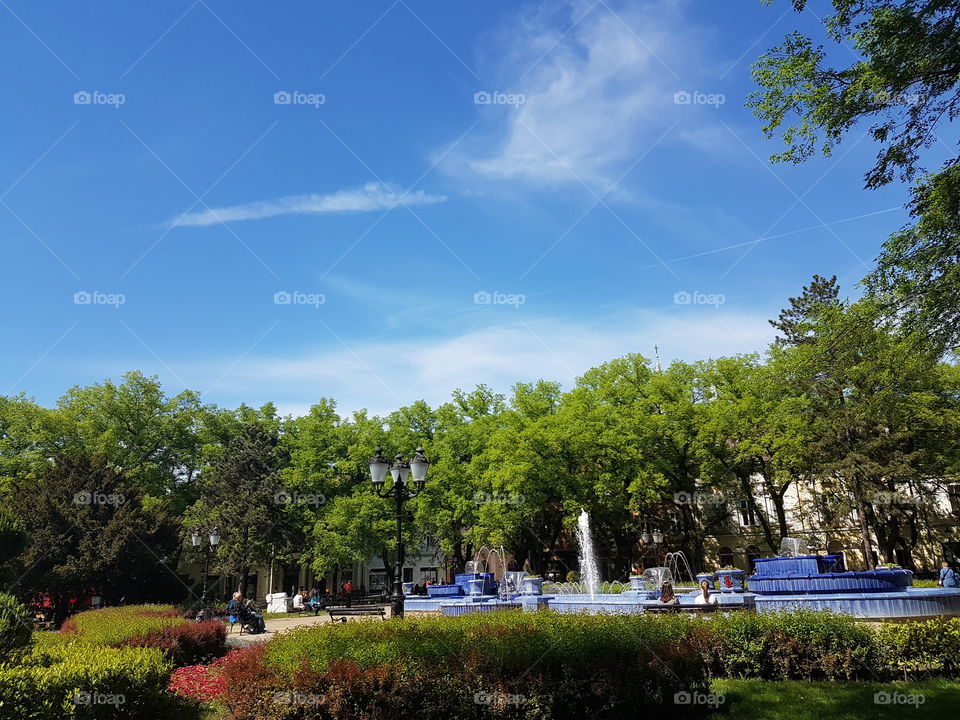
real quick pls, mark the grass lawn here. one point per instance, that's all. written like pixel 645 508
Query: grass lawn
pixel 792 700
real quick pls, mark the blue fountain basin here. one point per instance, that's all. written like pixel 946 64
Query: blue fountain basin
pixel 797 583
pixel 803 564
pixel 624 604
pixel 909 603
pixel 444 590
pixel 463 608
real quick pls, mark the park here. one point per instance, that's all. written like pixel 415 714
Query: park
pixel 500 361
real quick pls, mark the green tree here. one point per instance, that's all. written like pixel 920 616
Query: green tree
pixel 796 321
pixel 903 80
pixel 882 410
pixel 86 525
pixel 242 494
pixel 134 424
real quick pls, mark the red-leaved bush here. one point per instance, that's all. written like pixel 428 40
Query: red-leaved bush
pixel 203 683
pixel 188 644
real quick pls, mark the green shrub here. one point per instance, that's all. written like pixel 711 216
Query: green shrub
pixel 796 645
pixel 915 649
pixel 113 625
pixel 16 627
pixel 499 665
pixel 159 626
pixel 79 680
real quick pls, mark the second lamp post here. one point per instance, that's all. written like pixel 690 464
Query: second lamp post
pixel 196 538
pixel 400 491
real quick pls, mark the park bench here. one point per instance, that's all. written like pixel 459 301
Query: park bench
pixel 341 614
pixel 699 609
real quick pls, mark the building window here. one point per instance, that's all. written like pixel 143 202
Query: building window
pixel 953 493
pixel 726 556
pixel 752 552
pixel 745 514
pixel 428 573
pixel 378 581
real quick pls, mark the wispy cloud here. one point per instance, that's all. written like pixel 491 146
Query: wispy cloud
pixel 597 82
pixel 369 198
pixel 382 375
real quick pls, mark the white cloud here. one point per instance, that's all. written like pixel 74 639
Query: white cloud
pixel 596 99
pixel 382 375
pixel 371 197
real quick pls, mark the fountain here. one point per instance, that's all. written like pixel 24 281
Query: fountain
pixel 790 580
pixel 587 557
pixel 673 560
pixel 822 582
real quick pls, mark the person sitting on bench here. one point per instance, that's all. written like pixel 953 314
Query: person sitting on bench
pixel 245 615
pixel 667 596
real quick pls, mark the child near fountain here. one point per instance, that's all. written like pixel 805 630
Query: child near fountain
pixel 705 597
pixel 667 596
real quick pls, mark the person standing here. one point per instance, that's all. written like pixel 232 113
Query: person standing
pixel 348 592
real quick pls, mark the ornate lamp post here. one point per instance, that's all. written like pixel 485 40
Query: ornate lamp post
pixel 400 491
pixel 214 539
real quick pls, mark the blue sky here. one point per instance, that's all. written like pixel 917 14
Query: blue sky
pixel 445 193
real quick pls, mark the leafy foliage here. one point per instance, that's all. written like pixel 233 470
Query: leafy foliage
pixel 90 681
pixel 16 627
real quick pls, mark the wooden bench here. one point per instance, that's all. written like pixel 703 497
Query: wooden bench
pixel 341 614
pixel 691 608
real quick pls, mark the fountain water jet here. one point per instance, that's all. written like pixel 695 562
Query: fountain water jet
pixel 588 559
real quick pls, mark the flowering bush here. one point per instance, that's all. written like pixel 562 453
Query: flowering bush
pixel 203 683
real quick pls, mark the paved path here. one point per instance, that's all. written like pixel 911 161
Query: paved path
pixel 279 625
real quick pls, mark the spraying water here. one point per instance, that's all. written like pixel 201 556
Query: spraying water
pixel 588 559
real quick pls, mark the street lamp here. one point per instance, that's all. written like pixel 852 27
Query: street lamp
pixel 400 491
pixel 214 538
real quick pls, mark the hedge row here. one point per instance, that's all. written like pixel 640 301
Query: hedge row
pixel 502 665
pixel 74 680
pixel 156 626
pixel 517 665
